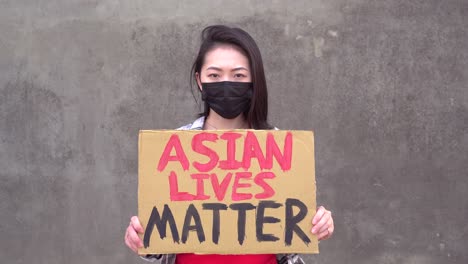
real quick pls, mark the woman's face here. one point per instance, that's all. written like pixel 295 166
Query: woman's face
pixel 224 63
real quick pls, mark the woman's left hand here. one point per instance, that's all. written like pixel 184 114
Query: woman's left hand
pixel 322 224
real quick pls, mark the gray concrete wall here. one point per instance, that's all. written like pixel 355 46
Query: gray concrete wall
pixel 384 85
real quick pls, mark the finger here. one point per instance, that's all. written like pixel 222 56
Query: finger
pixel 129 244
pixel 331 226
pixel 327 225
pixel 134 238
pixel 327 233
pixel 323 235
pixel 135 222
pixel 318 215
pixel 321 224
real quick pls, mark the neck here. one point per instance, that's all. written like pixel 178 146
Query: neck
pixel 216 122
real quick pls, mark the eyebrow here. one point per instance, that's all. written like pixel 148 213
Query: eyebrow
pixel 219 69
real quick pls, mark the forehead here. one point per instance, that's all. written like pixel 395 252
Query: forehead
pixel 226 55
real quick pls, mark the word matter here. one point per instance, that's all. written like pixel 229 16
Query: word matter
pixel 161 221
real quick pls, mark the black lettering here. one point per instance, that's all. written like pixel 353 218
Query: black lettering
pixel 292 220
pixel 161 224
pixel 216 219
pixel 241 208
pixel 197 226
pixel 262 219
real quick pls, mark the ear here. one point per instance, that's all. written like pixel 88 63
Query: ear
pixel 197 76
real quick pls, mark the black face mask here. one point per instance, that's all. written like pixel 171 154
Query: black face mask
pixel 227 99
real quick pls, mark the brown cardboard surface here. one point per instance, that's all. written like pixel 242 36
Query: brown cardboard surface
pixel 292 186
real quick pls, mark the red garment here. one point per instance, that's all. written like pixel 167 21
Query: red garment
pixel 225 259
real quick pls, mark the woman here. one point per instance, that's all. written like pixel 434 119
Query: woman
pixel 229 74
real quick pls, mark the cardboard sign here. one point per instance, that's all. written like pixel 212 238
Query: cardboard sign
pixel 227 192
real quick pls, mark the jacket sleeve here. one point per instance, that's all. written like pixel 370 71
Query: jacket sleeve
pixel 160 259
pixel 289 259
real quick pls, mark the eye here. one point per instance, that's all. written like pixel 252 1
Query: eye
pixel 213 75
pixel 239 75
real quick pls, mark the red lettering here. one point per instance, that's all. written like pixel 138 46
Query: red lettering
pixel 200 177
pixel 272 149
pixel 174 190
pixel 220 189
pixel 230 163
pixel 252 150
pixel 197 146
pixel 237 185
pixel 260 181
pixel 173 143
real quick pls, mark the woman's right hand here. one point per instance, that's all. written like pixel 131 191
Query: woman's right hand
pixel 132 240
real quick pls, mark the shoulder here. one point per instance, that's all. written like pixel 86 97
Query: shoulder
pixel 195 125
pixel 274 128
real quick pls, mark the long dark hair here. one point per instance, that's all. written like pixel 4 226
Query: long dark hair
pixel 257 115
